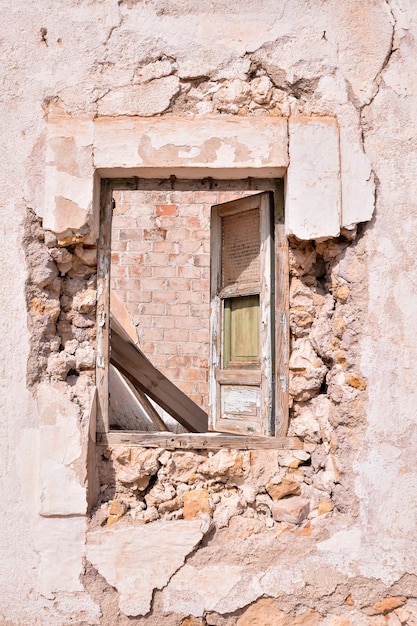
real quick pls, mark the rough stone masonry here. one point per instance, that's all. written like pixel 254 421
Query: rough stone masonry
pixel 322 93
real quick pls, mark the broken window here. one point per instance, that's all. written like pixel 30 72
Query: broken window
pixel 162 365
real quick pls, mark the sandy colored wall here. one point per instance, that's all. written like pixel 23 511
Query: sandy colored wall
pixel 352 61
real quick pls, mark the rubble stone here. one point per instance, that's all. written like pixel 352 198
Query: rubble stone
pixel 196 502
pixel 307 370
pixel 386 605
pixel 266 612
pixel 261 89
pixel 287 487
pixel 292 510
pixel 231 97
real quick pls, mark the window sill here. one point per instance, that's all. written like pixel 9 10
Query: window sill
pixel 198 441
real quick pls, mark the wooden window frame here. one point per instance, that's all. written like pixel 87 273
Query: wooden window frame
pixel 206 440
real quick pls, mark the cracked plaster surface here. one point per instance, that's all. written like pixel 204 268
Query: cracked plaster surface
pixel 377 108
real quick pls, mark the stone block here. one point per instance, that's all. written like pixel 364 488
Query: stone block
pixel 287 487
pixel 145 100
pixel 69 173
pixel 138 559
pixel 313 199
pixel 292 510
pixel 196 502
pixel 208 144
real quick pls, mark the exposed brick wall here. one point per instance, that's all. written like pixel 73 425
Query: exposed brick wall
pixel 161 270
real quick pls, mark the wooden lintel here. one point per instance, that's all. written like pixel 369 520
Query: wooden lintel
pixel 198 441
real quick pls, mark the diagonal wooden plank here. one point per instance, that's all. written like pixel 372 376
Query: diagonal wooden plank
pixel 133 364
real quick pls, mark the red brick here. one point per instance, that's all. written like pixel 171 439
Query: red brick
pixel 133 259
pixel 189 348
pixel 169 223
pixel 158 258
pixel 144 321
pixel 189 246
pixel 163 321
pixel 203 388
pixel 123 221
pixel 194 374
pixel 138 245
pixel 154 284
pixel 190 209
pixel 138 271
pixel 174 374
pixel 130 234
pixel 179 284
pixel 129 284
pixel 206 197
pixel 186 386
pixel 202 260
pixel 200 335
pixel 177 234
pixel 138 295
pixel 175 334
pixel 154 334
pixel 157 234
pixel 180 259
pixel 166 209
pixel 168 296
pixel 155 197
pixel 165 271
pixel 147 347
pixel 189 271
pixel 200 310
pixel 189 297
pixel 199 361
pixel 180 197
pixel 167 347
pixel 189 322
pixel 228 196
pixel 192 222
pixel 118 272
pixel 119 246
pixel 202 284
pixel 179 361
pixel 152 308
pixel 164 246
pixel 178 309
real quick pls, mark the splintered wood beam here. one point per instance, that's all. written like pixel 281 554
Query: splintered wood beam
pixel 133 364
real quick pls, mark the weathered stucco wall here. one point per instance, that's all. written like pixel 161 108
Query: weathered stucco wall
pixel 352 63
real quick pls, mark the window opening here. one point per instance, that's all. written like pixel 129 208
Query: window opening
pixel 134 372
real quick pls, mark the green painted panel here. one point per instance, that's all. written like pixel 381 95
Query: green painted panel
pixel 241 331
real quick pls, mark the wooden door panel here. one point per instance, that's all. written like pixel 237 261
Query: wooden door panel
pixel 241 382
